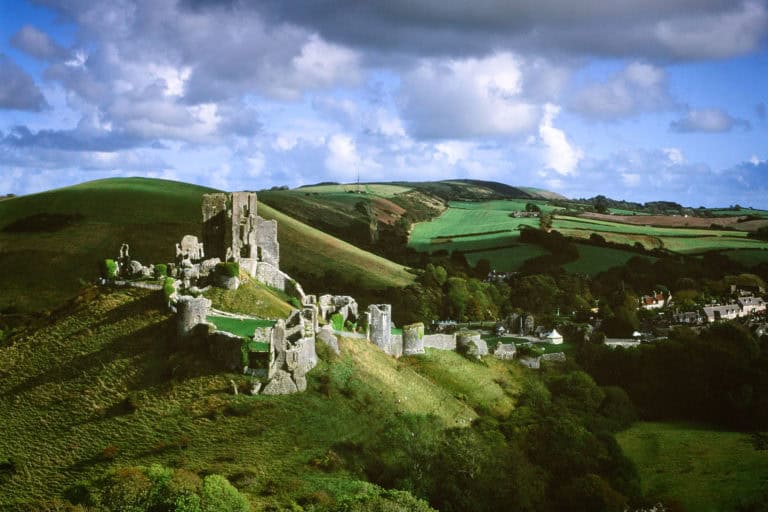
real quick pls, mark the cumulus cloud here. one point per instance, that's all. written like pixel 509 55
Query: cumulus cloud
pixel 639 87
pixel 18 90
pixel 560 154
pixel 38 44
pixel 708 121
pixel 467 98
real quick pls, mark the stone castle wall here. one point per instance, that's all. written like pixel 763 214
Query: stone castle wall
pixel 190 311
pixel 380 326
pixel 439 341
pixel 413 336
pixel 266 241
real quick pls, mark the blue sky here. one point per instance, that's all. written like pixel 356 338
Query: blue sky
pixel 640 100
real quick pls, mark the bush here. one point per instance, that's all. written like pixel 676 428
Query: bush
pixel 218 495
pixel 168 288
pixel 228 269
pixel 161 270
pixel 337 322
pixel 109 269
pixel 293 301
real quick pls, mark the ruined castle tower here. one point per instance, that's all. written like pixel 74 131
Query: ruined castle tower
pixel 230 225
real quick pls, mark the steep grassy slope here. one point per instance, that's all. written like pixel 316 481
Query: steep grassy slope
pixel 306 250
pixel 706 470
pixel 105 384
pixel 41 268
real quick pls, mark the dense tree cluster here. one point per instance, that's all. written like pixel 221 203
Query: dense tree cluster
pixel 720 376
pixel 554 452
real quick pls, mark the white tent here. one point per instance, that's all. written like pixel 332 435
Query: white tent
pixel 554 337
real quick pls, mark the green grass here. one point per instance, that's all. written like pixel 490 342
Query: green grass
pixel 41 270
pixel 486 386
pixel 307 249
pixel 506 259
pixel 238 326
pixel 382 190
pixel 110 372
pixel 707 470
pixel 251 298
pixel 593 260
pixel 748 257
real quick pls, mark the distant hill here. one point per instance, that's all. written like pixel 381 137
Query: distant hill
pixel 378 216
pixel 51 243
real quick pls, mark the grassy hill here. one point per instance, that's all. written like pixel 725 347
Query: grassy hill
pixel 51 243
pixel 104 384
pixel 706 470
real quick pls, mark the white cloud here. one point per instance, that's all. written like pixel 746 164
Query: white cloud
pixel 559 154
pixel 467 98
pixel 675 155
pixel 342 157
pixel 637 88
pixel 711 120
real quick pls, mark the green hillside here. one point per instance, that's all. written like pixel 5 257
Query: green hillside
pixel 51 243
pixel 105 385
pixel 707 470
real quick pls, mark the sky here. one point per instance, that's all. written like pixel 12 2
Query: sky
pixel 640 100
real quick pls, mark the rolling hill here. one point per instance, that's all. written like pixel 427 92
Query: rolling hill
pixel 51 243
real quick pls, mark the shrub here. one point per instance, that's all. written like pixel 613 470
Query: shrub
pixel 218 495
pixel 161 270
pixel 229 269
pixel 109 269
pixel 110 452
pixel 337 322
pixel 293 301
pixel 168 288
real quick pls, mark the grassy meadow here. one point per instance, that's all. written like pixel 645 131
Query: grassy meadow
pixel 706 470
pixel 105 384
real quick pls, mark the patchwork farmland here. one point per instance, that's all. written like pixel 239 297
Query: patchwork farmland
pixel 488 230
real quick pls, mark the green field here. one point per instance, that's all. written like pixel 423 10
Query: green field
pixel 458 221
pixel 506 259
pixel 484 230
pixel 748 257
pixel 593 260
pixel 706 470
pixel 382 190
pixel 239 326
pixel 109 373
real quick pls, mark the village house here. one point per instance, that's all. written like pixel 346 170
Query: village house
pixel 723 312
pixel 655 301
pixel 751 305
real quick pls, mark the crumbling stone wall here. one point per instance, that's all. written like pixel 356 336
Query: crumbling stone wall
pixel 270 275
pixel 190 311
pixel 413 336
pixel 380 326
pixel 226 349
pixel 471 344
pixel 216 225
pixel 244 225
pixel 439 341
pixel 505 351
pixel 344 305
pixel 266 241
